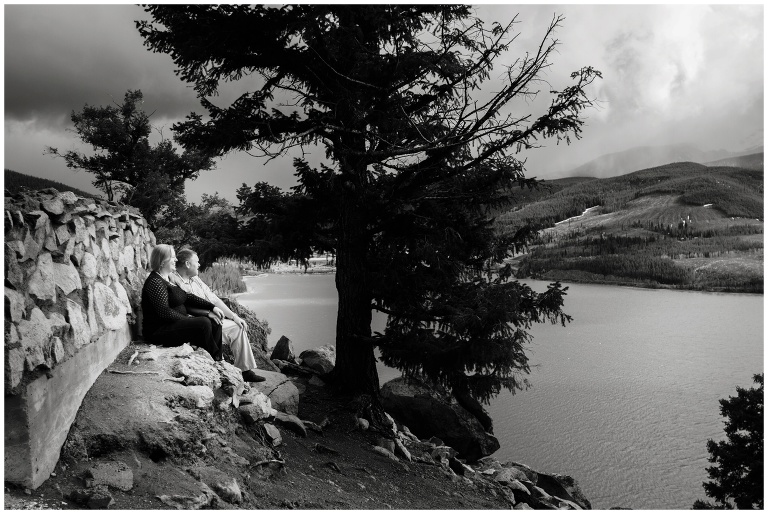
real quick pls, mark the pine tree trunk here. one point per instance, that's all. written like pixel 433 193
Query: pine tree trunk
pixel 355 370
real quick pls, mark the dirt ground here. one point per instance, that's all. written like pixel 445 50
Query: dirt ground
pixel 333 470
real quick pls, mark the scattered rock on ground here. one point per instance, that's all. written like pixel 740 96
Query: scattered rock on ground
pixel 289 368
pixel 256 409
pixel 385 453
pixel 292 423
pixel 316 381
pixel 221 483
pixel 110 473
pixel 97 498
pixel 273 434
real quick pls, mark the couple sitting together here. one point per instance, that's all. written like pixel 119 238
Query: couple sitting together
pixel 179 308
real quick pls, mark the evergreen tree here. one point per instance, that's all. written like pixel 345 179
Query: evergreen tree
pixel 211 228
pixel 737 477
pixel 126 166
pixel 419 160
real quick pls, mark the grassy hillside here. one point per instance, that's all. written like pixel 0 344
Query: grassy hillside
pixel 681 225
pixel 15 181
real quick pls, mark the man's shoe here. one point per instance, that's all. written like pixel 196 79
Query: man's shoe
pixel 250 376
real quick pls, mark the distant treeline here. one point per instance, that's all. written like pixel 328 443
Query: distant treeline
pixel 647 259
pixel 636 267
pixel 15 182
pixel 655 246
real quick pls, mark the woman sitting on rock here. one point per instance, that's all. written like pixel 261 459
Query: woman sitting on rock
pixel 167 321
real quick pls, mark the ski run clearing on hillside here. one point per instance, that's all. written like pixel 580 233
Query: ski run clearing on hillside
pixel 577 217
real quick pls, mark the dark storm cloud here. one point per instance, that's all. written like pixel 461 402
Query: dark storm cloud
pixel 671 74
pixel 60 57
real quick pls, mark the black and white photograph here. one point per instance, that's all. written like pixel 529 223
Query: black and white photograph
pixel 323 256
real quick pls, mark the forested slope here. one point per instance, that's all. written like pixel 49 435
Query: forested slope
pixel 682 225
pixel 15 181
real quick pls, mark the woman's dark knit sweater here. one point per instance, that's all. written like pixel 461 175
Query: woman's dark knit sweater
pixel 163 302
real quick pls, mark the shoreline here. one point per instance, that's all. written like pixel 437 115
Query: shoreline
pixel 284 269
pixel 642 285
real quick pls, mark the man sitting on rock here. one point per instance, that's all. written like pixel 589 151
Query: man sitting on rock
pixel 234 329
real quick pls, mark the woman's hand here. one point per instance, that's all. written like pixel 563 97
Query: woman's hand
pixel 213 315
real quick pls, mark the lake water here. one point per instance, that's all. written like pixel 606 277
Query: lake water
pixel 623 399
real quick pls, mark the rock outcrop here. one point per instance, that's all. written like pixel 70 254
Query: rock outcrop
pixel 174 405
pixel 428 412
pixel 535 489
pixel 522 487
pixel 139 439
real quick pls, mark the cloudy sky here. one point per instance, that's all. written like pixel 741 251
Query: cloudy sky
pixel 672 74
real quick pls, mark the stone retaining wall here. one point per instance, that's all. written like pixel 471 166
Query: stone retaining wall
pixel 74 269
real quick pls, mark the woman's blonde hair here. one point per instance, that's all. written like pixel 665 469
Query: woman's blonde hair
pixel 160 255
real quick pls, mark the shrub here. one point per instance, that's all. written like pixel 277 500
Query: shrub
pixel 737 476
pixel 224 278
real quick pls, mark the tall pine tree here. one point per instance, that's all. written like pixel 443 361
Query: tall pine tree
pixel 419 160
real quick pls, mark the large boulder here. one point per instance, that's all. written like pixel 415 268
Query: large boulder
pixel 283 350
pixel 282 393
pixel 429 412
pixel 321 359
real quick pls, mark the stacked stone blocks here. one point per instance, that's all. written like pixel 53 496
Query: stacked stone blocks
pixel 74 269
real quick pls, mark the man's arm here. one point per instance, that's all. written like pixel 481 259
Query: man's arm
pixel 220 304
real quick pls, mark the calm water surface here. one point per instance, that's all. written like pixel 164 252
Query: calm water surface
pixel 623 399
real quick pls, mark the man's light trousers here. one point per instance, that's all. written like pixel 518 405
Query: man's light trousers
pixel 237 339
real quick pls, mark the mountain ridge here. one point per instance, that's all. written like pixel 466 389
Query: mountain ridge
pixel 643 157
